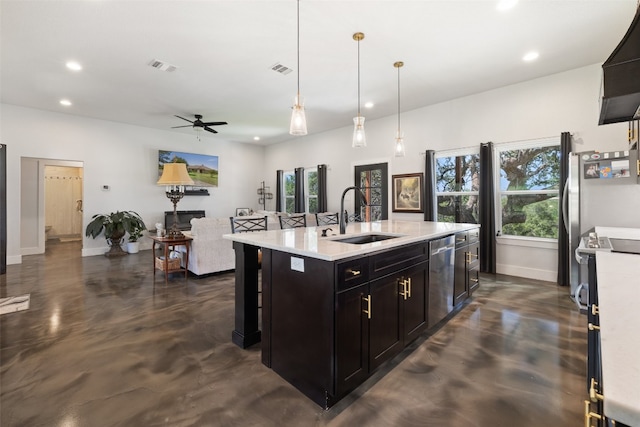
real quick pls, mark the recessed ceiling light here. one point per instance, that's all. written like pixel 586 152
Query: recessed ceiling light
pixel 531 56
pixel 506 5
pixel 65 102
pixel 74 66
pixel 369 104
pixel 256 138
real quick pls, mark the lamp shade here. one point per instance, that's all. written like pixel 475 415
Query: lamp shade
pixel 175 174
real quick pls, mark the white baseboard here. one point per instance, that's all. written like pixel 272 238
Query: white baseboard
pixel 14 259
pixel 529 273
pixel 31 251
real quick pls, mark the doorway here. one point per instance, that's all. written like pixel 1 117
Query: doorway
pixel 51 203
pixel 63 203
pixel 373 181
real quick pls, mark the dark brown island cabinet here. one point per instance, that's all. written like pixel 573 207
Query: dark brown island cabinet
pixel 327 328
pixel 467 264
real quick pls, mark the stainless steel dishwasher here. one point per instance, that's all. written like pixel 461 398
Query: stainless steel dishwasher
pixel 441 268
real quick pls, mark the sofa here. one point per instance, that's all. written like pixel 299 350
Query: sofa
pixel 210 252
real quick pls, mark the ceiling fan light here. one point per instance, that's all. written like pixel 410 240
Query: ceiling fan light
pixel 359 137
pixel 298 124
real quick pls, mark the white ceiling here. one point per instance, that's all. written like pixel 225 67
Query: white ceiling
pixel 224 51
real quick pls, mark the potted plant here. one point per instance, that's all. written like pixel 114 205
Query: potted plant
pixel 133 245
pixel 115 225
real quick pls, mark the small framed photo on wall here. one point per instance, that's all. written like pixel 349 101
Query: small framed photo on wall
pixel 407 193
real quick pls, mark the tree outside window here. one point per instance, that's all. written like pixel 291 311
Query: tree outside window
pixel 529 179
pixel 457 185
pixel 289 192
pixel 311 198
pixel 527 182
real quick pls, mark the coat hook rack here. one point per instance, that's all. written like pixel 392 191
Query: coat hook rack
pixel 265 194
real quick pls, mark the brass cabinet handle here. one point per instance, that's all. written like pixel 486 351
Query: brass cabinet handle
pixel 588 414
pixel 354 272
pixel 469 255
pixel 406 287
pixel 461 240
pixel 404 291
pixel 593 327
pixel 593 394
pixel 474 280
pixel 368 310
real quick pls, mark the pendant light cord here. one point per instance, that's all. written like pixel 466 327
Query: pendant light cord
pixel 398 101
pixel 358 77
pixel 298 46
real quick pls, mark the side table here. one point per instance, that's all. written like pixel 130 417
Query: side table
pixel 167 245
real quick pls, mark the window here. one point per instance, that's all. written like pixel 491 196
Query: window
pixel 457 184
pixel 289 192
pixel 527 183
pixel 311 187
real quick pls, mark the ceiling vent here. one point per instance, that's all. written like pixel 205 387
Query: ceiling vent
pixel 279 68
pixel 162 66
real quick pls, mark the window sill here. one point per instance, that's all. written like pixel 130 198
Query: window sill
pixel 530 242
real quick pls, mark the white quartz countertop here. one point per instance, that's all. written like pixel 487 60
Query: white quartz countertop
pixel 308 241
pixel 618 298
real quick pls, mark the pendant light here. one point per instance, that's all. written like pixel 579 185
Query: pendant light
pixel 399 150
pixel 359 138
pixel 298 125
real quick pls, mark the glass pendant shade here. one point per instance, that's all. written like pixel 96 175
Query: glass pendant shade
pixel 399 151
pixel 298 119
pixel 359 138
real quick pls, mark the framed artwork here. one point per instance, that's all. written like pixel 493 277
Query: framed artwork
pixel 407 193
pixel 202 168
pixel 243 211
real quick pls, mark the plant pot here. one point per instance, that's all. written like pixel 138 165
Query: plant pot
pixel 133 247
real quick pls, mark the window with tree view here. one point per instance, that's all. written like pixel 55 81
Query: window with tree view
pixel 311 187
pixel 289 192
pixel 528 188
pixel 457 184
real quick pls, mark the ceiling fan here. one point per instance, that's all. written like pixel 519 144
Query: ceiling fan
pixel 199 125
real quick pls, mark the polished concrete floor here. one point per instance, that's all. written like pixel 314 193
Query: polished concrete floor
pixel 102 345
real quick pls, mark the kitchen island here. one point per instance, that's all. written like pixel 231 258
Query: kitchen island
pixel 334 311
pixel 613 373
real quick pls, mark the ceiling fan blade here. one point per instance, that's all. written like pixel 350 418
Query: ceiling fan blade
pixel 185 126
pixel 214 123
pixel 184 119
pixel 210 130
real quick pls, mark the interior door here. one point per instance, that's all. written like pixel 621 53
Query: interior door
pixel 373 181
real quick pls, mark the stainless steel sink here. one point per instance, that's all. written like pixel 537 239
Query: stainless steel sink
pixel 365 238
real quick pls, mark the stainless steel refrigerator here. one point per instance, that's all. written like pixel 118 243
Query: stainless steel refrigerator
pixel 602 190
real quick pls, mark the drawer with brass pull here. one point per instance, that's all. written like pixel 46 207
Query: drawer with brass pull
pixel 352 273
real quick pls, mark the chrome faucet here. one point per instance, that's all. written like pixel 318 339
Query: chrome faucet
pixel 343 219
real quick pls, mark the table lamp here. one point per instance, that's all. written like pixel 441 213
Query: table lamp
pixel 174 178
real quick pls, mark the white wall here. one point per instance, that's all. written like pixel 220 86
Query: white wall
pixel 124 157
pixel 534 109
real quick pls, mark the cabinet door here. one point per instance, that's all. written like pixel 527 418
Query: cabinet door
pixel 473 267
pixel 414 298
pixel 385 334
pixel 352 339
pixel 460 291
